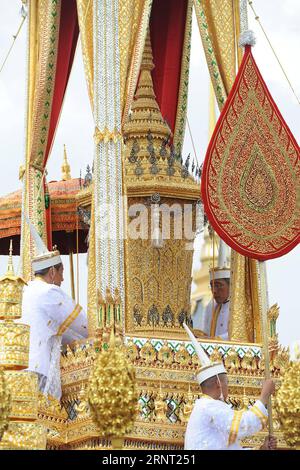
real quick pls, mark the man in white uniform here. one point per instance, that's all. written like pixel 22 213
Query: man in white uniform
pixel 214 425
pixel 53 316
pixel 216 315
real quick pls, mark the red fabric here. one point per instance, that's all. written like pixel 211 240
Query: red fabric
pixel 167 28
pixel 68 35
pixel 251 171
pixel 61 217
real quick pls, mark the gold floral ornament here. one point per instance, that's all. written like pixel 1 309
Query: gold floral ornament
pixel 4 404
pixel 273 314
pixel 112 394
pixel 132 351
pixel 287 402
pixel 107 136
pixel 182 356
pixel 232 361
pixel 148 353
pixel 165 354
pixel 216 356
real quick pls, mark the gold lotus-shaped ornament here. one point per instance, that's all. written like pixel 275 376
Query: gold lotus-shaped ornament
pixel 112 392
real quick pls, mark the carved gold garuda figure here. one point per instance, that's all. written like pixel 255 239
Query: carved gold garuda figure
pixel 216 356
pixel 232 362
pixel 148 353
pixel 161 408
pixel 187 407
pixel 248 363
pixel 83 407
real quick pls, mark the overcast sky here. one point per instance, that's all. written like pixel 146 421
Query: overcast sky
pixel 281 20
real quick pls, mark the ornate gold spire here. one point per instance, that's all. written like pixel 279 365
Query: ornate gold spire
pixel 151 162
pixel 65 168
pixel 145 113
pixel 10 267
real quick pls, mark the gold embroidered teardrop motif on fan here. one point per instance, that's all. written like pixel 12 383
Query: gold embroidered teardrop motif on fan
pixel 251 174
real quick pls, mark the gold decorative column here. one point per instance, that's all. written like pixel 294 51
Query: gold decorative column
pixel 162 200
pixel 23 431
pixel 4 404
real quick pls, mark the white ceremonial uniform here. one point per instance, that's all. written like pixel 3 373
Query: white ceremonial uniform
pixel 214 425
pixel 54 318
pixel 222 321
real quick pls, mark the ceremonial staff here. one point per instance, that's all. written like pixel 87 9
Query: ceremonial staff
pixel 263 288
pixel 251 176
pixel 265 331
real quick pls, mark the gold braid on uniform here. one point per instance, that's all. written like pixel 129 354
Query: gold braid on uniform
pixel 69 320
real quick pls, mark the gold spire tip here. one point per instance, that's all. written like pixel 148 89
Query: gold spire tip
pixel 65 168
pixel 10 267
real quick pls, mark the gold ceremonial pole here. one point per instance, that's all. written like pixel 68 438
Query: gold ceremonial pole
pixel 77 256
pixel 265 331
pixel 241 27
pixel 72 275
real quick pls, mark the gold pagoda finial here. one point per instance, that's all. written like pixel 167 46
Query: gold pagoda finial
pixel 65 168
pixel 146 116
pixel 10 267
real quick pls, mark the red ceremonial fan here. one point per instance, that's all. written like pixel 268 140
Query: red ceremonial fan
pixel 251 174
